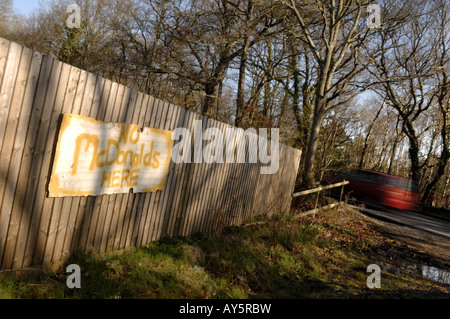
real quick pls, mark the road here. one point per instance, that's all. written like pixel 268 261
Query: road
pixel 407 218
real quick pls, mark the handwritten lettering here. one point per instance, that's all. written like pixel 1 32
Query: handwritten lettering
pixel 120 178
pixel 116 153
pixel 94 157
pixel 90 139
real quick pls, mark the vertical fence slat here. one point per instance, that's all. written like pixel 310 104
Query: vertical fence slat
pixel 248 184
pixel 27 179
pixel 144 118
pixel 57 212
pixel 180 169
pixel 170 182
pixel 163 194
pixel 39 225
pixel 19 147
pixel 103 115
pixel 193 177
pixel 44 147
pixel 151 213
pixel 207 178
pixel 230 184
pixel 167 110
pixel 186 168
pixel 119 116
pixel 131 116
pixel 8 162
pixel 218 213
pixel 39 169
pixel 87 203
pixel 150 114
pixel 154 110
pixel 108 201
pixel 6 92
pixel 108 95
pixel 79 208
pixel 4 49
pixel 70 204
pixel 7 88
pixel 43 154
pixel 137 117
pixel 218 186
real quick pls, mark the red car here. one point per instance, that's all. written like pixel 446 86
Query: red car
pixel 382 189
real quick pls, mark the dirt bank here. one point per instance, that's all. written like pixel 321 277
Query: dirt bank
pixel 415 245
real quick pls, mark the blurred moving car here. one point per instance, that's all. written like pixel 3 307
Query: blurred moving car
pixel 381 189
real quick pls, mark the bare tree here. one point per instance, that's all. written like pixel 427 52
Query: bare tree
pixel 6 12
pixel 412 72
pixel 368 134
pixel 441 34
pixel 332 32
pixel 207 37
pixel 404 71
pixel 201 45
pixel 89 46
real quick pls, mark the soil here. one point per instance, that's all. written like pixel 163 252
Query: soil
pixel 414 246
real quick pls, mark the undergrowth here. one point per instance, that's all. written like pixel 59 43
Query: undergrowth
pixel 277 257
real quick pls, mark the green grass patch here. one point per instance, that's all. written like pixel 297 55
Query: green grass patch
pixel 277 257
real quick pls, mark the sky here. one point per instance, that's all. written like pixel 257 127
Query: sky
pixel 25 6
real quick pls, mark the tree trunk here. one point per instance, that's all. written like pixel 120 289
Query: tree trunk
pixel 393 151
pixel 429 190
pixel 241 85
pixel 443 161
pixel 444 190
pixel 210 97
pixel 214 82
pixel 366 140
pixel 240 102
pixel 413 150
pixel 313 143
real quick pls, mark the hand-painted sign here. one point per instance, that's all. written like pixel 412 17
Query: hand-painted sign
pixel 94 158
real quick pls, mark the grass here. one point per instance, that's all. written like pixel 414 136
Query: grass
pixel 278 257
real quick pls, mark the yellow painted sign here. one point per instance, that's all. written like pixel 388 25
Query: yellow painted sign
pixel 94 158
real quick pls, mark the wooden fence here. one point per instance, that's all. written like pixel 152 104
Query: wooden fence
pixel 36 230
pixel 317 191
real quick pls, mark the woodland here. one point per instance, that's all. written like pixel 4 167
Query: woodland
pixel 355 84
